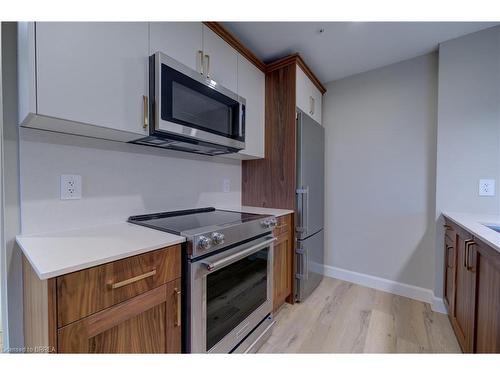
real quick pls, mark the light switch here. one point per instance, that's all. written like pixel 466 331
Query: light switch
pixel 486 188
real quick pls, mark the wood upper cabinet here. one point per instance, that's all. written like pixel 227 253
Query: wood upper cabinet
pixel 486 264
pixel 283 262
pixel 220 60
pixel 271 182
pixel 94 73
pixel 183 41
pixel 308 97
pixel 148 323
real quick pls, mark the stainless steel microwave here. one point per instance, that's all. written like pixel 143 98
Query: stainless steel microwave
pixel 191 112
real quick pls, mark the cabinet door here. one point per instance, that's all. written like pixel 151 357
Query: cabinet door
pixel 282 270
pixel 222 61
pixel 449 272
pixel 183 41
pixel 463 311
pixel 308 97
pixel 252 86
pixel 487 318
pixel 148 323
pixel 93 72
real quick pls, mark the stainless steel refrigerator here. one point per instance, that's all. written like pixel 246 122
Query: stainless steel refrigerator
pixel 309 249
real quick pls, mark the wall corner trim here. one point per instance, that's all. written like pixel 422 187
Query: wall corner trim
pixel 386 285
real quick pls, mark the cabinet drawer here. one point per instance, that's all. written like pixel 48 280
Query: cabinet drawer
pixel 85 292
pixel 283 226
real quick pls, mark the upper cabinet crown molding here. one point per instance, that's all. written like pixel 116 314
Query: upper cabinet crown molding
pixel 220 30
pixel 250 56
pixel 297 59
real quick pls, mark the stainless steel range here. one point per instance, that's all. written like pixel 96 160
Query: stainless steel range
pixel 227 277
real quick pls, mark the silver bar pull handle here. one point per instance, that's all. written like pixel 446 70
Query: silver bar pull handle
pixel 311 105
pixel 304 210
pixel 307 210
pixel 304 264
pixel 145 110
pixel 212 266
pixel 242 119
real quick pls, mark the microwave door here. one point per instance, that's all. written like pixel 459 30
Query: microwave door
pixel 189 105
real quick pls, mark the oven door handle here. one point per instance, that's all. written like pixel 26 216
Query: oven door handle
pixel 212 266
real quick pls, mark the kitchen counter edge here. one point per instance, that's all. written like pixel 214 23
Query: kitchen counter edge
pixel 475 224
pixel 49 256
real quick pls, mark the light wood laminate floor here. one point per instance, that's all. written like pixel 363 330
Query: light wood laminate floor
pixel 340 317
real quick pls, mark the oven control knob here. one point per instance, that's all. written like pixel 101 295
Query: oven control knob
pixel 273 221
pixel 217 238
pixel 204 242
pixel 269 223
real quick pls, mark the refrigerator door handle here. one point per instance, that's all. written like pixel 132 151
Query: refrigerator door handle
pixel 304 268
pixel 304 209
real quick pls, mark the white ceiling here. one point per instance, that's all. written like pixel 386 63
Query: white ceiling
pixel 347 48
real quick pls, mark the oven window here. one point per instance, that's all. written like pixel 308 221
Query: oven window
pixel 188 102
pixel 233 293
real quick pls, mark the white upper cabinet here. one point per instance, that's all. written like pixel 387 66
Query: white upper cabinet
pixel 92 78
pixel 220 60
pixel 94 73
pixel 252 85
pixel 183 41
pixel 308 97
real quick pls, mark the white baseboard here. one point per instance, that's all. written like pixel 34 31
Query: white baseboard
pixel 386 285
pixel 438 305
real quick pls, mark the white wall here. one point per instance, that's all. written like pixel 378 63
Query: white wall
pixel 380 172
pixel 11 213
pixel 468 147
pixel 468 121
pixel 119 180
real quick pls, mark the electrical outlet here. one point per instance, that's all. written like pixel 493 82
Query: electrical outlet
pixel 71 186
pixel 487 188
pixel 226 185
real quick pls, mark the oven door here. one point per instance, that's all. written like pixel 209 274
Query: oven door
pixel 231 293
pixel 190 105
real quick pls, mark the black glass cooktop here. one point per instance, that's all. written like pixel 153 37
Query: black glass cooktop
pixel 177 222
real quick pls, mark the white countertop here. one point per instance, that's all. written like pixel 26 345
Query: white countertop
pixel 258 210
pixel 55 254
pixel 474 223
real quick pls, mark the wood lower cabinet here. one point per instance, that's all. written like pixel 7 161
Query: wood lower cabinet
pixel 283 263
pixel 486 263
pixel 147 323
pixel 462 315
pixel 449 268
pixel 129 306
pixel 472 292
